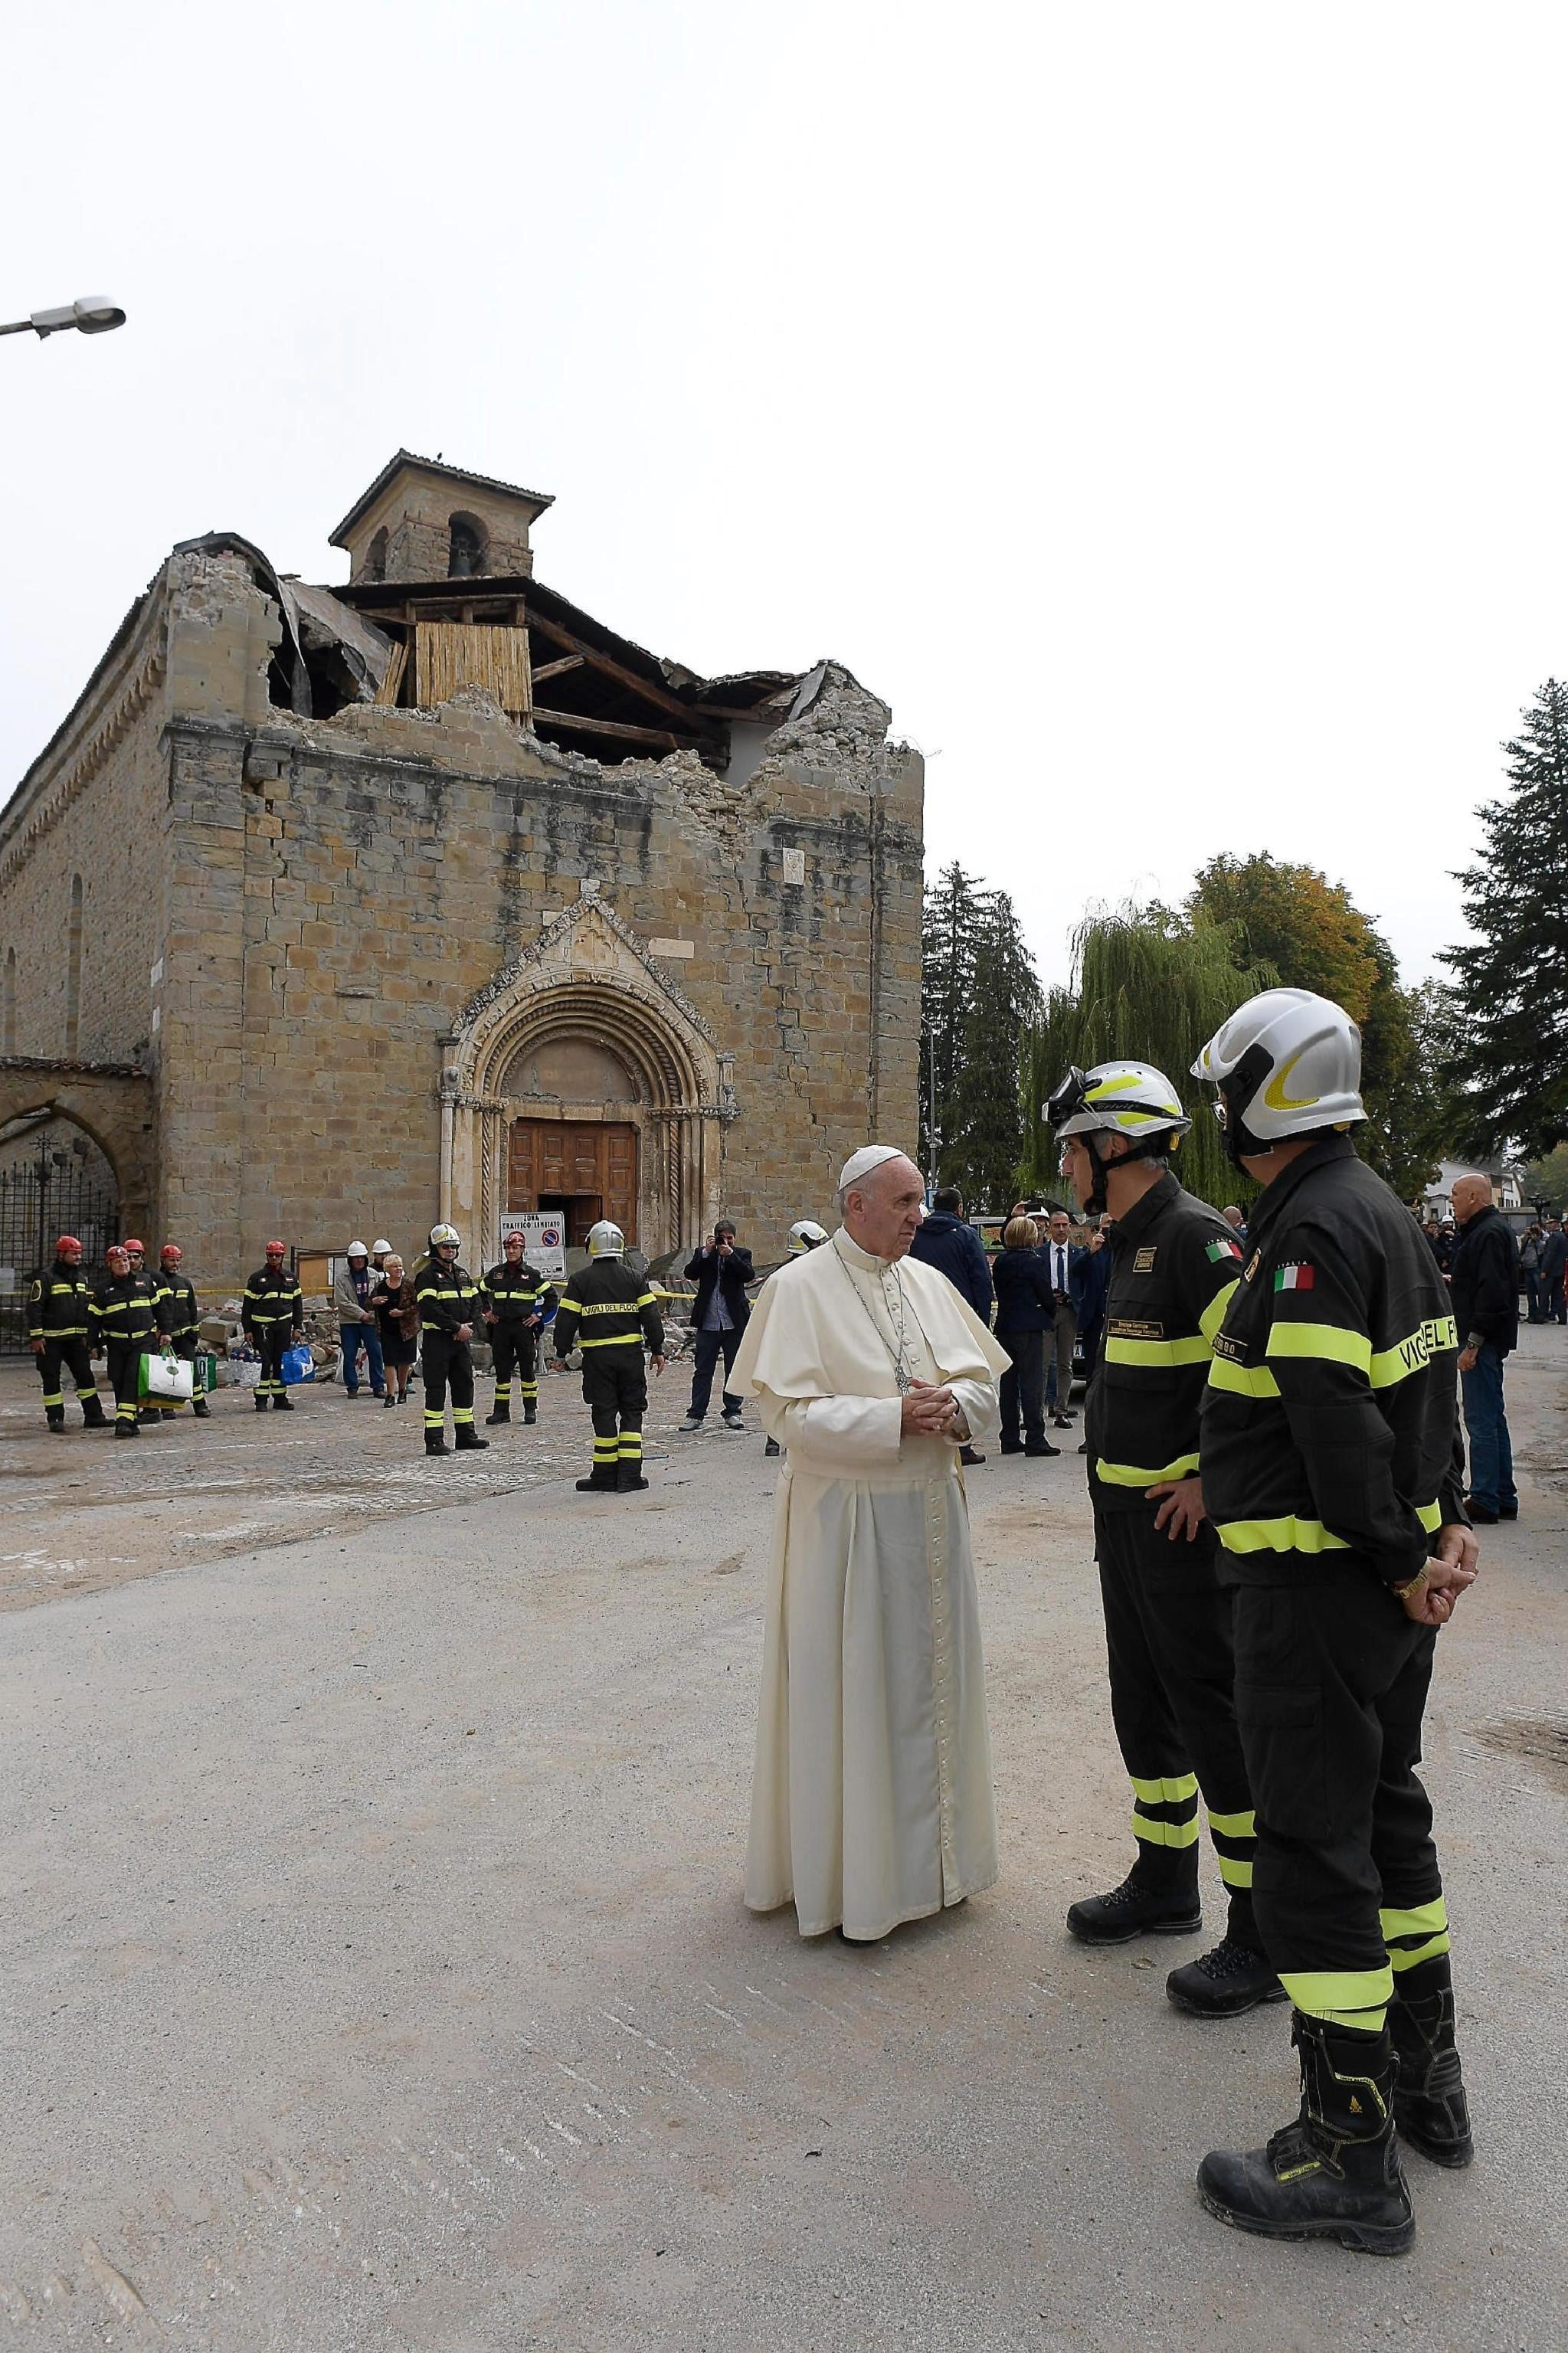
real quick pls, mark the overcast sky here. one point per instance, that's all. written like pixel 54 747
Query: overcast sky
pixel 1161 407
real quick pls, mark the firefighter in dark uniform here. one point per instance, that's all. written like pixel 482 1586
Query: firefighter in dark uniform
pixel 1332 1474
pixel 181 1319
pixel 128 1324
pixel 60 1306
pixel 609 1313
pixel 518 1300
pixel 149 1414
pixel 271 1314
pixel 448 1301
pixel 1168 1616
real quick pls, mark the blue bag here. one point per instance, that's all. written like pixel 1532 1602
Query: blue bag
pixel 299 1365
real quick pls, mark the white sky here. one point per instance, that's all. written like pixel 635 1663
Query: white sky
pixel 1161 407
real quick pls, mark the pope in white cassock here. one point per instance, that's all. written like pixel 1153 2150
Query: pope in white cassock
pixel 872 1797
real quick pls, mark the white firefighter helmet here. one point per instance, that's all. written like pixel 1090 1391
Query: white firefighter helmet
pixel 606 1240
pixel 805 1235
pixel 1130 1098
pixel 1285 1063
pixel 380 1247
pixel 357 1249
pixel 440 1236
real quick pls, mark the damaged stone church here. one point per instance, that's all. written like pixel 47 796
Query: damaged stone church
pixel 333 910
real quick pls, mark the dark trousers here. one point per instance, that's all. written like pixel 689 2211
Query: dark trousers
pixel 1167 1640
pixel 1059 1380
pixel 271 1339
pixel 615 1390
pixel 516 1344
pixel 1538 1298
pixel 448 1364
pixel 1023 1389
pixel 73 1356
pixel 709 1345
pixel 123 1358
pixel 1331 1679
pixel 1491 1447
pixel 1557 1300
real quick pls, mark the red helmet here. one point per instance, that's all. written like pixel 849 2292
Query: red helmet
pixel 66 1241
pixel 117 1249
pixel 277 1250
pixel 171 1249
pixel 130 1244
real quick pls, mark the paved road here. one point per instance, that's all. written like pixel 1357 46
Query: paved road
pixel 379 1983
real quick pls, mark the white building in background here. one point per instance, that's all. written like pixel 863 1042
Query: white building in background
pixel 1505 1179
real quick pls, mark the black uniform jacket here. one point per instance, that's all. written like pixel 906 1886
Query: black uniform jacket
pixel 130 1309
pixel 59 1304
pixel 1483 1282
pixel 606 1306
pixel 515 1293
pixel 1174 1267
pixel 271 1298
pixel 447 1297
pixel 1329 1423
pixel 182 1316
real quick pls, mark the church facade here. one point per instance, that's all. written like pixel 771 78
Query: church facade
pixel 336 911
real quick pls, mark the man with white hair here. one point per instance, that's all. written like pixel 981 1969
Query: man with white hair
pixel 872 1795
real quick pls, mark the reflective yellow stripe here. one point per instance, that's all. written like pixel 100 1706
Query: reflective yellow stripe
pixel 1414 1353
pixel 1407 1956
pixel 609 1307
pixel 1322 1343
pixel 1164 1833
pixel 1165 1793
pixel 1425 1921
pixel 1233 1825
pixel 1243 1380
pixel 620 1340
pixel 1288 1535
pixel 1129 1474
pixel 647 1300
pixel 1214 1315
pixel 1191 1351
pixel 1344 1996
pixel 1233 1873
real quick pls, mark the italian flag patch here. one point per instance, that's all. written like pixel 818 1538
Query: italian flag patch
pixel 1219 1251
pixel 1293 1278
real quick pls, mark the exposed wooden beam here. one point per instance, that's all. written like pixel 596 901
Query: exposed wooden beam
pixel 658 696
pixel 556 668
pixel 619 729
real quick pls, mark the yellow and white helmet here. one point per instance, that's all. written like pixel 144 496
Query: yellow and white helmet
pixel 606 1240
pixel 1121 1098
pixel 444 1237
pixel 805 1235
pixel 1285 1063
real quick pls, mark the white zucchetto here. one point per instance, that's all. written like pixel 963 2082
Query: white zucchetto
pixel 861 1163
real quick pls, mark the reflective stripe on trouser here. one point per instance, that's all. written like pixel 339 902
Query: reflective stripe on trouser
pixel 515 1350
pixel 616 1393
pixel 72 1354
pixel 125 1363
pixel 448 1365
pixel 1168 1641
pixel 1330 1681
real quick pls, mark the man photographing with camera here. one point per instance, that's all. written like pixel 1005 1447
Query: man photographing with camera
pixel 721 1270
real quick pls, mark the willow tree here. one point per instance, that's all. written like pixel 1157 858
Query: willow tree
pixel 1147 986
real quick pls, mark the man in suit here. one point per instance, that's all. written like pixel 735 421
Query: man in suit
pixel 1062 1255
pixel 720 1312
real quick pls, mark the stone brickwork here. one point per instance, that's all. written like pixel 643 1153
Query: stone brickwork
pixel 329 942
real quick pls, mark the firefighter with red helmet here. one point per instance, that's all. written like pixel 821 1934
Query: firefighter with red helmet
pixel 183 1319
pixel 60 1306
pixel 128 1324
pixel 271 1314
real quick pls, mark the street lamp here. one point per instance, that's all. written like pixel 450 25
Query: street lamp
pixel 95 314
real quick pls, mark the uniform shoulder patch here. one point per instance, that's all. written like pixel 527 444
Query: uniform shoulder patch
pixel 1220 1249
pixel 1296 1276
pixel 1143 1263
pixel 1254 1262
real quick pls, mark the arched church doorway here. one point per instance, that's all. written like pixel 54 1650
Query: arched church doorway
pixel 583 1169
pixel 55 1178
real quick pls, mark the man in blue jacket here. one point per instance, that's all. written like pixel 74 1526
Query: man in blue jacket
pixel 948 1241
pixel 720 1313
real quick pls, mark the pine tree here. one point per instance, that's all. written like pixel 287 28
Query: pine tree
pixel 980 991
pixel 1510 1059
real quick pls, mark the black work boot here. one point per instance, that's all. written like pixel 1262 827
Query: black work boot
pixel 126 1428
pixel 629 1479
pixel 499 1414
pixel 467 1440
pixel 55 1416
pixel 93 1416
pixel 1429 2104
pixel 1233 1977
pixel 1335 2173
pixel 435 1442
pixel 1138 1907
pixel 600 1480
pixel 201 1409
pixel 529 1416
pixel 282 1404
pixel 261 1404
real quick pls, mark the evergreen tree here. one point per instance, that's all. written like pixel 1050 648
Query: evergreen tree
pixel 1510 1058
pixel 979 990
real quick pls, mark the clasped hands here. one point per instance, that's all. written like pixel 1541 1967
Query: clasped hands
pixel 929 1412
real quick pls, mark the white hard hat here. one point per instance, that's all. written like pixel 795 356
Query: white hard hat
pixel 606 1240
pixel 379 1248
pixel 442 1235
pixel 357 1249
pixel 805 1234
pixel 1285 1063
pixel 1122 1098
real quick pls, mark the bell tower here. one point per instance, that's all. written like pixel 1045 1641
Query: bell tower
pixel 421 520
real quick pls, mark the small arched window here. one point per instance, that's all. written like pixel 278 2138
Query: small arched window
pixel 8 1005
pixel 73 968
pixel 376 556
pixel 470 547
